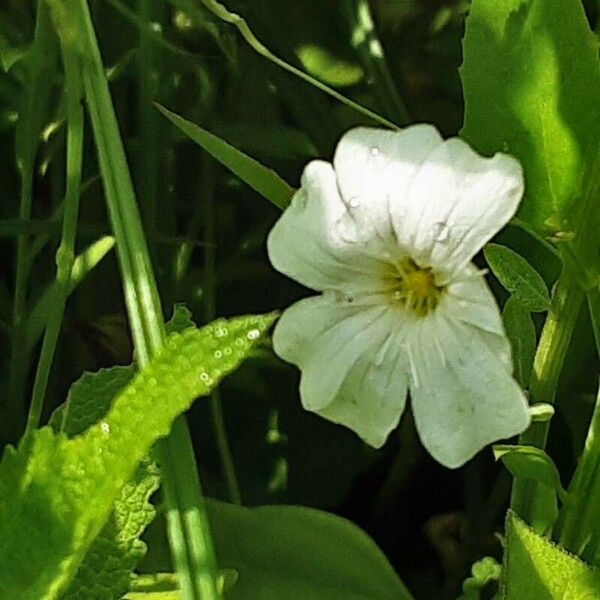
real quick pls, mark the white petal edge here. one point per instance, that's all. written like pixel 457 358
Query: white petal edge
pixel 307 244
pixel 464 398
pixel 325 339
pixel 457 201
pixel 372 398
pixel 374 169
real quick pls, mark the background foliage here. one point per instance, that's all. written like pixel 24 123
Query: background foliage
pixel 207 230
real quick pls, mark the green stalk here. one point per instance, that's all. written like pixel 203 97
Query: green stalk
pixel 189 535
pixel 227 466
pixel 557 331
pixel 579 526
pixel 32 112
pixel 65 255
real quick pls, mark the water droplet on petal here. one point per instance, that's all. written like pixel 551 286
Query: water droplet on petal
pixel 375 151
pixel 441 232
pixel 354 203
pixel 253 334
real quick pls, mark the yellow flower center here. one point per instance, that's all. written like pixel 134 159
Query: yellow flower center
pixel 416 289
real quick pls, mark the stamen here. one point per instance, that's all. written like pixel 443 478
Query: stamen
pixel 416 288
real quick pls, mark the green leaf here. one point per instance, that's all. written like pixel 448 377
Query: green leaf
pixel 520 330
pixel 531 79
pixel 530 463
pixel 334 70
pixel 106 570
pixel 299 554
pixel 265 181
pixel 483 572
pixel 58 492
pixel 163 586
pixel 83 265
pixel 518 277
pixel 537 569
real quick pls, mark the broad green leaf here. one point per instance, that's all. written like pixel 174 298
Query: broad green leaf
pixel 537 569
pixel 56 493
pixel 518 277
pixel 533 464
pixel 531 87
pixel 105 573
pixel 483 572
pixel 520 330
pixel 299 554
pixel 265 181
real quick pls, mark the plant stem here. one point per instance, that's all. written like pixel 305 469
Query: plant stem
pixel 189 535
pixel 547 366
pixel 227 466
pixel 558 328
pixel 579 526
pixel 32 112
pixel 65 255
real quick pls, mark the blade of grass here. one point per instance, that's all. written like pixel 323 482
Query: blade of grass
pixel 265 181
pixel 241 25
pixel 83 264
pixel 66 251
pixel 32 112
pixel 189 534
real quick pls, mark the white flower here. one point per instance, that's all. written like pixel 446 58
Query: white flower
pixel 387 234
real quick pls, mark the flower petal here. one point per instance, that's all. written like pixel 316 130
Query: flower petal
pixel 469 299
pixel 463 397
pixel 375 168
pixel 324 337
pixel 456 202
pixel 312 242
pixel 373 396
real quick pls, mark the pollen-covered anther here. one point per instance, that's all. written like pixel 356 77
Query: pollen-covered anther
pixel 416 288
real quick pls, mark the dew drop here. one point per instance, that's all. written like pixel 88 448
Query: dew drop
pixel 441 232
pixel 354 203
pixel 205 377
pixel 375 151
pixel 227 351
pixel 104 427
pixel 253 334
pixel 397 295
pixel 218 354
pixel 220 332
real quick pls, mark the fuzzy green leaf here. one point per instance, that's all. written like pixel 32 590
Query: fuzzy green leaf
pixel 520 330
pixel 105 573
pixel 531 87
pixel 265 181
pixel 537 569
pixel 305 554
pixel 518 277
pixel 56 493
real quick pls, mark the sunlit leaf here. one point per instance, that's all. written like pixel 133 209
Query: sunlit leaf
pixel 537 569
pixel 56 493
pixel 531 79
